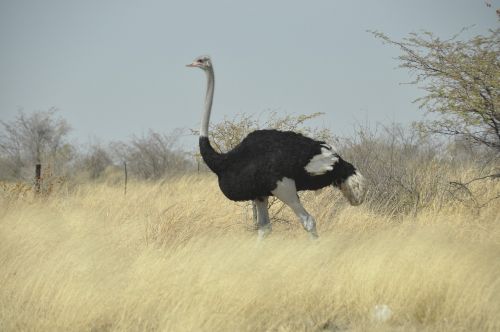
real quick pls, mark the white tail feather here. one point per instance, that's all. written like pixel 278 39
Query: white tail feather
pixel 354 188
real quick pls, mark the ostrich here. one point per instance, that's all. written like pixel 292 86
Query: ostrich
pixel 275 163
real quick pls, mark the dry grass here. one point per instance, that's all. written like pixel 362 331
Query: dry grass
pixel 178 256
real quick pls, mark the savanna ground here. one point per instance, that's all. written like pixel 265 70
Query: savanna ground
pixel 177 255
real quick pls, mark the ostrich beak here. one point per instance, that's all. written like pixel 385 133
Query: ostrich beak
pixel 192 65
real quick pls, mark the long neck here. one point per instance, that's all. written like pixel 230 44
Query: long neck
pixel 214 160
pixel 208 102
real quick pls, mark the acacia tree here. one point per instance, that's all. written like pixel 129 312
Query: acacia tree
pixel 96 160
pixel 461 80
pixel 230 132
pixel 35 138
pixel 153 155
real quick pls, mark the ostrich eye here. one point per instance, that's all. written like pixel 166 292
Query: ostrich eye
pixel 200 61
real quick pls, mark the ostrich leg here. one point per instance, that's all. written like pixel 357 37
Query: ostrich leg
pixel 287 193
pixel 263 223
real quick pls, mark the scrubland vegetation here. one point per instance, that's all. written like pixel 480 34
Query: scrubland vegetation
pixel 176 255
pixel 173 254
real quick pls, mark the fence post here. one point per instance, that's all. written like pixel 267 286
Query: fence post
pixel 126 177
pixel 38 178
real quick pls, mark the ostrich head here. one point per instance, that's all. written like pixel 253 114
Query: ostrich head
pixel 202 62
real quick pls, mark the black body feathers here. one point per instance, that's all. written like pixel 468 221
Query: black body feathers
pixel 253 168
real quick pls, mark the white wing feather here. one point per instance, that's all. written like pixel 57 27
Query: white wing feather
pixel 323 162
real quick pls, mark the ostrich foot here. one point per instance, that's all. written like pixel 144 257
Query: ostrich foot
pixel 264 231
pixel 313 235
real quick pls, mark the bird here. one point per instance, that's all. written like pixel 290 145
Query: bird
pixel 270 162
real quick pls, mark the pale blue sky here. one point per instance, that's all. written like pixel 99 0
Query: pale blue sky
pixel 116 68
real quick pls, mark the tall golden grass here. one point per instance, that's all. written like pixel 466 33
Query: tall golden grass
pixel 178 256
